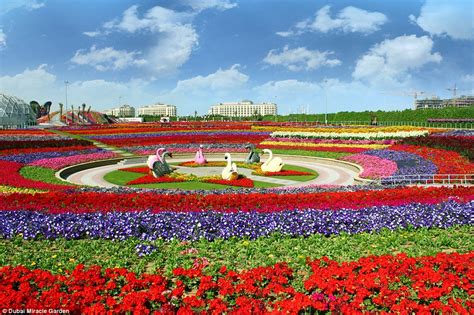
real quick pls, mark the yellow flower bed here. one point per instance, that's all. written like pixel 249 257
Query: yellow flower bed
pixel 11 190
pixel 326 145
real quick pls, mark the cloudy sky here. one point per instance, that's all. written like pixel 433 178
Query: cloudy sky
pixel 357 55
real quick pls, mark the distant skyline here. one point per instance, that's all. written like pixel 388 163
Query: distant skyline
pixel 359 55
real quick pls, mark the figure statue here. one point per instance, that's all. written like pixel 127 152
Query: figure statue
pixel 157 163
pixel 271 164
pixel 39 110
pixel 200 159
pixel 230 171
pixel 253 156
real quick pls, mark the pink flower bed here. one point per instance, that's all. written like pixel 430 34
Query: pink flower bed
pixel 374 167
pixel 60 162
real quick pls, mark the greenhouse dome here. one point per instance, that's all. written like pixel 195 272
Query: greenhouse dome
pixel 15 113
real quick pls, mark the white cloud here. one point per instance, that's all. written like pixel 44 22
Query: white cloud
pixel 30 5
pixel 107 58
pixel 293 96
pixel 210 4
pixel 30 84
pixel 173 49
pixel 285 34
pixel 3 39
pixel 92 34
pixel 468 78
pixel 219 81
pixel 176 37
pixel 40 84
pixel 300 58
pixel 348 20
pixel 447 18
pixel 392 59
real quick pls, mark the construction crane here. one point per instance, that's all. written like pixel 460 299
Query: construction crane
pixel 455 89
pixel 413 94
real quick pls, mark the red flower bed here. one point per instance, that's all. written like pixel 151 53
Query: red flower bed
pixel 461 144
pixel 447 162
pixel 10 176
pixel 147 128
pixel 150 179
pixel 46 149
pixel 143 170
pixel 27 132
pixel 240 182
pixel 60 202
pixel 287 173
pixel 6 144
pixel 399 284
pixel 184 139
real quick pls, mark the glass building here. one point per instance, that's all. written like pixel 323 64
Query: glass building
pixel 15 113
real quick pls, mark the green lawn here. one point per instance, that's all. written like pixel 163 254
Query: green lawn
pixel 121 177
pixel 42 174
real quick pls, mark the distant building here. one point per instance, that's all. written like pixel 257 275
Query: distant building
pixel 122 111
pixel 463 101
pixel 436 102
pixel 244 108
pixel 158 110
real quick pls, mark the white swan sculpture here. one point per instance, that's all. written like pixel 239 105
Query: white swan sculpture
pixel 272 164
pixel 230 171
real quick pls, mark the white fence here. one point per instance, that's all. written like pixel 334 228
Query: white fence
pixel 430 179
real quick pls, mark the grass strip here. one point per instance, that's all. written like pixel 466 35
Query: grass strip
pixel 42 174
pixel 237 254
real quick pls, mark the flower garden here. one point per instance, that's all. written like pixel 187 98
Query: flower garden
pixel 237 247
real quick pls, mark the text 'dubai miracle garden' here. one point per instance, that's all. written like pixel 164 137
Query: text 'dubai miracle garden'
pixel 237 218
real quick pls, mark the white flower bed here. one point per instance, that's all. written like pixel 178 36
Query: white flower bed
pixel 349 135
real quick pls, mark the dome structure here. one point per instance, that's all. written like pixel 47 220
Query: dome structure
pixel 15 113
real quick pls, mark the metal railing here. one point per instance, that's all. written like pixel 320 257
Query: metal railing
pixel 430 179
pixel 409 123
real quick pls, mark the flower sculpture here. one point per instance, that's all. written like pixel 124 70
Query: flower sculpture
pixel 230 171
pixel 157 163
pixel 200 159
pixel 272 164
pixel 253 156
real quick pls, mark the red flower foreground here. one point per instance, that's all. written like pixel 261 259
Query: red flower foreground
pixel 81 202
pixel 399 284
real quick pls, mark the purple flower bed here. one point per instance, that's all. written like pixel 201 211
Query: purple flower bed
pixel 191 133
pixel 27 158
pixel 215 225
pixel 407 163
pixel 40 137
pixel 455 133
pixel 239 191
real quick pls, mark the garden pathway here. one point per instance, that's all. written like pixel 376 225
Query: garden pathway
pixel 329 174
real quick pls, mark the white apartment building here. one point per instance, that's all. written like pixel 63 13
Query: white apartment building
pixel 122 111
pixel 158 109
pixel 244 108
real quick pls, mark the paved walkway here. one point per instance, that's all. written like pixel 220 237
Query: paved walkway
pixel 329 174
pixel 94 142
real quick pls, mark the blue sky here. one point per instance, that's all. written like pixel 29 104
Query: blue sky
pixel 360 55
